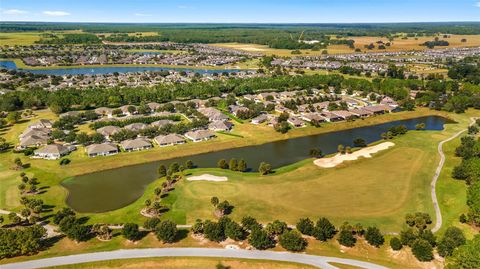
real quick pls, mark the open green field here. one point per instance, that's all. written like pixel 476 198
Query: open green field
pixel 186 263
pixel 23 38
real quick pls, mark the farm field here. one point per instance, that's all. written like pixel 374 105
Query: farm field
pixel 397 45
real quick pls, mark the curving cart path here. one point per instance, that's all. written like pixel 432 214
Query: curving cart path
pixel 438 213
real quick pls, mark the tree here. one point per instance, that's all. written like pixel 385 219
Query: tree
pixel 224 208
pixel 452 239
pixel 78 232
pixel 422 250
pixel 316 153
pixel 242 165
pixel 260 239
pixel 250 223
pixel 233 164
pixel 13 117
pixel 306 226
pixel 345 238
pixel 166 231
pixel 174 167
pixel 234 231
pixel 359 142
pixel 189 164
pixel 63 213
pixel 264 168
pixel 324 230
pixel 408 236
pixel 151 223
pixel 214 201
pixel 292 241
pixel 162 171
pixel 374 237
pixel 222 163
pixel 4 145
pixel 213 231
pixel 21 241
pixel 341 149
pixel 395 243
pixel 276 228
pixel 466 256
pixel 130 231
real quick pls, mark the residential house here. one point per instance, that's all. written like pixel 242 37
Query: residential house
pixel 200 135
pixel 104 111
pixel 330 117
pixel 344 114
pixel 220 126
pixel 108 131
pixel 51 152
pixel 135 144
pixel 33 141
pixel 360 112
pixel 312 117
pixel 104 149
pixel 169 140
pixel 136 127
pixel 41 124
pixel 260 119
pixel 161 123
pixel 296 122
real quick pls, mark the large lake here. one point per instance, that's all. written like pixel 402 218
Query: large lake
pixel 112 189
pixel 107 70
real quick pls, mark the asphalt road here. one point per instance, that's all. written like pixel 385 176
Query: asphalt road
pixel 318 261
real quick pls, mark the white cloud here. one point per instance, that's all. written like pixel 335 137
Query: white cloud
pixel 56 13
pixel 142 15
pixel 14 12
pixel 477 4
pixel 184 7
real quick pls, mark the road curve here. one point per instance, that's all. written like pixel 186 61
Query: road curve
pixel 438 213
pixel 317 261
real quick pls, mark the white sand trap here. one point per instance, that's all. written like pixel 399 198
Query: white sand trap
pixel 207 177
pixel 340 158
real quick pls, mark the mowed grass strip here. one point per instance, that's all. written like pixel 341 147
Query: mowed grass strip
pixel 186 263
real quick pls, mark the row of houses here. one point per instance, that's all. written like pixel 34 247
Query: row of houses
pixel 140 143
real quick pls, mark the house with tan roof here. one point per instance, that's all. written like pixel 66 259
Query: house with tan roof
pixel 218 126
pixel 169 140
pixel 136 127
pixel 41 124
pixel 33 141
pixel 136 144
pixel 104 111
pixel 200 135
pixel 51 152
pixel 104 149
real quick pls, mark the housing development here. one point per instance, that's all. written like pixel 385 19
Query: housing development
pixel 129 139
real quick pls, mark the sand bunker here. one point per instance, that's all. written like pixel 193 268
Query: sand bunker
pixel 340 158
pixel 207 177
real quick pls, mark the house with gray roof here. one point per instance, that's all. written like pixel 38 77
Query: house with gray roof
pixel 136 127
pixel 51 152
pixel 161 123
pixel 136 144
pixel 200 135
pixel 260 119
pixel 104 111
pixel 33 141
pixel 41 124
pixel 109 130
pixel 104 149
pixel 169 140
pixel 218 126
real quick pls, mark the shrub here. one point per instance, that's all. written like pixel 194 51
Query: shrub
pixel 64 161
pixel 452 239
pixel 324 230
pixel 395 243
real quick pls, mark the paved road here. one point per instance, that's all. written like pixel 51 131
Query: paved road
pixel 318 261
pixel 438 213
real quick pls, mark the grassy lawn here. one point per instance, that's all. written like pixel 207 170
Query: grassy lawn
pixel 24 38
pixel 193 263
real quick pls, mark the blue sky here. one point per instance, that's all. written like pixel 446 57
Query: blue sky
pixel 243 11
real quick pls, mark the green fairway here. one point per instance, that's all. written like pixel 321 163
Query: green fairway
pixel 23 38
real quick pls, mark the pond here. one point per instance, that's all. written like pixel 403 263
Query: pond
pixel 113 189
pixel 108 70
